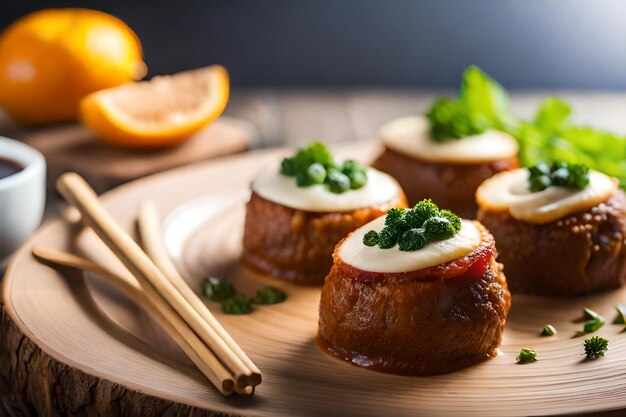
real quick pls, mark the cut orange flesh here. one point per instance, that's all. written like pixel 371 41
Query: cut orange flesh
pixel 161 112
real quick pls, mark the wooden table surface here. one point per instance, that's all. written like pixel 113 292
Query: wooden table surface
pixel 295 117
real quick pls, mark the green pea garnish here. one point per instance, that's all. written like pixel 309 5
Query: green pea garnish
pixel 314 164
pixel 358 180
pixel 338 182
pixel 562 174
pixel 316 173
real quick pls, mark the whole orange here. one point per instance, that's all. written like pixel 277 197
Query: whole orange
pixel 52 58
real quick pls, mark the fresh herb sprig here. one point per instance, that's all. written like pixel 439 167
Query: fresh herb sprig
pixel 595 347
pixel 314 164
pixel 411 229
pixel 562 174
pixel 482 104
pixel 526 355
pixel 222 291
pixel 451 119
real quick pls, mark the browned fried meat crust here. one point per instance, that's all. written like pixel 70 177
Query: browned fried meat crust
pixel 297 245
pixel 415 328
pixel 579 254
pixel 450 186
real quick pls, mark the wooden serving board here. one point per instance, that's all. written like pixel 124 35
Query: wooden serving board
pixel 74 346
pixel 73 147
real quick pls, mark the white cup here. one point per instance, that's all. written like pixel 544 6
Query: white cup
pixel 22 196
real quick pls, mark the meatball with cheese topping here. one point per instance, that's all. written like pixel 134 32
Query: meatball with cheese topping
pixel 557 239
pixel 448 171
pixel 425 309
pixel 293 222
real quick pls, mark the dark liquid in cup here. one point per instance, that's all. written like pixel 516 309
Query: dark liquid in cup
pixel 8 168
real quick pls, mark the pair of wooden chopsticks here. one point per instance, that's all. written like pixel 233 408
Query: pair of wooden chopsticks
pixel 160 290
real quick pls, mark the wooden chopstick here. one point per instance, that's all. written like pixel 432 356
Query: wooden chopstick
pixel 154 284
pixel 157 308
pixel 152 241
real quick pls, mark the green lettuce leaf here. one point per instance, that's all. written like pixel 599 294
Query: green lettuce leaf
pixel 481 94
pixel 552 114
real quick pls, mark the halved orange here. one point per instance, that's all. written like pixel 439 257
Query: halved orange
pixel 161 112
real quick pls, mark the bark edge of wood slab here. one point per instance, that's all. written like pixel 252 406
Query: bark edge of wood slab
pixel 41 385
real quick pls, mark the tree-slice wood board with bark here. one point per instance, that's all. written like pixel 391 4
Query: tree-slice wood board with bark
pixel 73 147
pixel 74 346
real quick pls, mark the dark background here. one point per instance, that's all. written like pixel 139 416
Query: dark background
pixel 384 43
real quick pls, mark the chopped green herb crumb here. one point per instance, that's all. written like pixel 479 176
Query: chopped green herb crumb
pixel 621 314
pixel 314 164
pixel 217 289
pixel 222 291
pixel 270 295
pixel 237 304
pixel 560 174
pixel 548 330
pixel 589 314
pixel 593 325
pixel 411 229
pixel 526 355
pixel 595 347
pixel 593 321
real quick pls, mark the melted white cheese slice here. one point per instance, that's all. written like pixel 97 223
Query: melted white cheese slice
pixel 278 188
pixel 509 191
pixel 411 136
pixel 374 259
